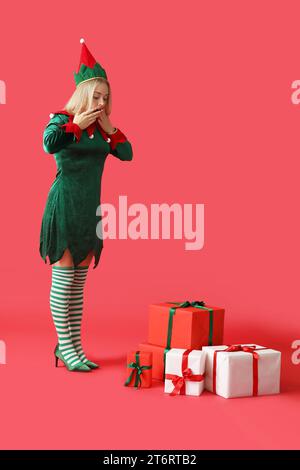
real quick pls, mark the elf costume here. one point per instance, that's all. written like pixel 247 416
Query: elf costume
pixel 69 219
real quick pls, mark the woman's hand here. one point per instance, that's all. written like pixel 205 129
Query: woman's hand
pixel 83 120
pixel 105 123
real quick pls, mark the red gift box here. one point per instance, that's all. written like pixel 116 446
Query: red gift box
pixel 158 364
pixel 187 325
pixel 139 364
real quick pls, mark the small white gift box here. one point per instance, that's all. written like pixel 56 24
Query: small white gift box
pixel 242 370
pixel 184 372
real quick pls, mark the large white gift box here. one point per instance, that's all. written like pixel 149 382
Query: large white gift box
pixel 242 371
pixel 184 372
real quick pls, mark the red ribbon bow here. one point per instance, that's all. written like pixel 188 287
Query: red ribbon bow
pixel 187 374
pixel 239 347
pixel 235 348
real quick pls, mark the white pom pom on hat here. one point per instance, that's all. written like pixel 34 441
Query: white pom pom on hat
pixel 51 115
pixel 82 41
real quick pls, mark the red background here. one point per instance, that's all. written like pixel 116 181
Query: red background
pixel 203 92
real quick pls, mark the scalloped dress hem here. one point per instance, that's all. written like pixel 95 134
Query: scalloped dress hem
pixel 52 261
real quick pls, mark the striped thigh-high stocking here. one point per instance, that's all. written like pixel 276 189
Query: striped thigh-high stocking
pixel 76 309
pixel 62 280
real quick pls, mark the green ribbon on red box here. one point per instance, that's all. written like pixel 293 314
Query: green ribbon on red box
pixel 137 369
pixel 195 303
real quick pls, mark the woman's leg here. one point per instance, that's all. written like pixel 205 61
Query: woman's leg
pixel 62 280
pixel 76 305
pixel 65 260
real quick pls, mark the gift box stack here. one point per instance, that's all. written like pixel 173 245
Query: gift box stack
pixel 185 351
pixel 185 325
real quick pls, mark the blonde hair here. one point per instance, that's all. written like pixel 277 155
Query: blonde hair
pixel 82 98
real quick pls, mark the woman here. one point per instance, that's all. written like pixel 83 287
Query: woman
pixel 80 136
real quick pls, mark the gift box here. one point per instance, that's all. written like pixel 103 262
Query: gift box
pixel 139 364
pixel 187 325
pixel 158 364
pixel 184 372
pixel 242 370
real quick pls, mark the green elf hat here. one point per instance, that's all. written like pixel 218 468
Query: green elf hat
pixel 88 68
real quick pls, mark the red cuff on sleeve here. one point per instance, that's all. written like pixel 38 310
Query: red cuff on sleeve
pixel 72 127
pixel 116 138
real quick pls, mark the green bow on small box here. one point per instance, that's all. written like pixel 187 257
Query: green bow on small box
pixel 137 369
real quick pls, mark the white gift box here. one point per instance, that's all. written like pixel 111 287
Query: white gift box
pixel 235 371
pixel 174 365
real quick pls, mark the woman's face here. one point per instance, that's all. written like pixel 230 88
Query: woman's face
pixel 100 96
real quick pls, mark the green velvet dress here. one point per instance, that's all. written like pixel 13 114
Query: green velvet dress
pixel 69 219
